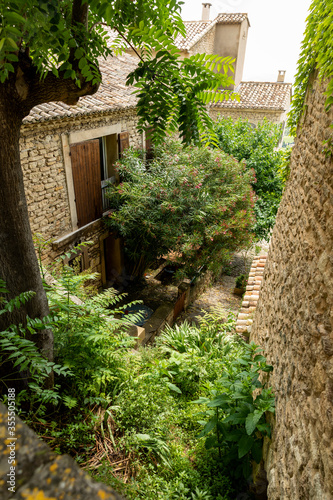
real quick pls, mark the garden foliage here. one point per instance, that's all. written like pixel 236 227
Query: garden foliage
pixel 316 54
pixel 152 403
pixel 194 202
pixel 256 145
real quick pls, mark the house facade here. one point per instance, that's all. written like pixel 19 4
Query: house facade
pixel 227 35
pixel 68 152
pixel 257 100
pixel 67 156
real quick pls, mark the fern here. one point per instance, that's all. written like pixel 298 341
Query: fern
pixel 22 358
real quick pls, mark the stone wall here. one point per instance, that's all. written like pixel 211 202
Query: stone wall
pixel 30 470
pixel 205 45
pixel 46 187
pixel 294 317
pixel 253 115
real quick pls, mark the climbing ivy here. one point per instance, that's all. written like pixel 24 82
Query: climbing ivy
pixel 316 54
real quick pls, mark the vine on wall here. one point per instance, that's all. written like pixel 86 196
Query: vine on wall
pixel 316 54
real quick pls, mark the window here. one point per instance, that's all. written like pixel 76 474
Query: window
pixel 93 169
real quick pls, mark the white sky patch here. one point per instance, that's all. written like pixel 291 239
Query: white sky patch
pixel 275 34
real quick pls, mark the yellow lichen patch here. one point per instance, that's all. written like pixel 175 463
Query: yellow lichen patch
pixel 68 470
pixel 36 494
pixel 10 441
pixel 2 482
pixel 48 480
pixel 102 494
pixel 53 467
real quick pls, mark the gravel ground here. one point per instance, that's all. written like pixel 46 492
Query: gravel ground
pixel 220 294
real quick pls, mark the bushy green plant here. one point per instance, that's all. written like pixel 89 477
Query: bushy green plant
pixel 160 423
pixel 241 281
pixel 89 335
pixel 256 145
pixel 22 365
pixel 195 202
pixel 234 420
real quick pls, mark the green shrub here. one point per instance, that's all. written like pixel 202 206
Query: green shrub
pixel 234 420
pixel 194 202
pixel 257 147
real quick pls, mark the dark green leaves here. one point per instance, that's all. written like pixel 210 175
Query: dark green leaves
pixel 239 428
pixel 316 53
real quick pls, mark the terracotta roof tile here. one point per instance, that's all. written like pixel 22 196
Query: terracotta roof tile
pixel 234 18
pixel 197 29
pixel 113 94
pixel 260 95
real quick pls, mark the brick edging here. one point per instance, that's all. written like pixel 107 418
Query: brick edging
pixel 250 299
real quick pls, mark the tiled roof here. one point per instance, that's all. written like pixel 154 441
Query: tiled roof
pixel 197 29
pixel 260 95
pixel 112 94
pixel 194 31
pixel 235 18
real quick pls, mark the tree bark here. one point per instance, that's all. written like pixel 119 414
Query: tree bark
pixel 18 261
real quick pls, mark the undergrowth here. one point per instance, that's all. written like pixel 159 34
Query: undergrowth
pixel 183 419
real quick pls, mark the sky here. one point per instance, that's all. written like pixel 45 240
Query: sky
pixel 274 37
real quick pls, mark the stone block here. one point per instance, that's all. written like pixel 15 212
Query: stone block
pixel 40 473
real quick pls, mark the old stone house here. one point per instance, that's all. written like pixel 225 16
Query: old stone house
pixel 67 156
pixel 258 100
pixel 226 35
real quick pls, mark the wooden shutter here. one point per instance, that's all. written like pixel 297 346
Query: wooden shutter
pixel 86 167
pixel 123 142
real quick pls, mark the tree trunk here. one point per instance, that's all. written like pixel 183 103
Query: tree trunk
pixel 18 261
pixel 19 267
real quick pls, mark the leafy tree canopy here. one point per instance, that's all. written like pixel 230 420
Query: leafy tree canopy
pixel 256 145
pixel 62 40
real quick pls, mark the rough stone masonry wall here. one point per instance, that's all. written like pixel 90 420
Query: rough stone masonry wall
pixel 294 318
pixel 205 45
pixel 253 115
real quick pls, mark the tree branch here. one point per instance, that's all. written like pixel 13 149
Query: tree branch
pixel 32 90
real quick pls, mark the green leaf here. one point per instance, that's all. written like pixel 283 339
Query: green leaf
pixel 12 43
pixel 173 387
pixel 244 446
pixel 208 427
pixel 78 53
pixel 14 17
pixel 211 442
pixel 220 401
pixel 251 421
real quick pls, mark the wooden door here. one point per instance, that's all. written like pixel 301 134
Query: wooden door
pixel 86 167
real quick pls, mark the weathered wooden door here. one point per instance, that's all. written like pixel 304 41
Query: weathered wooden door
pixel 86 168
pixel 123 142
